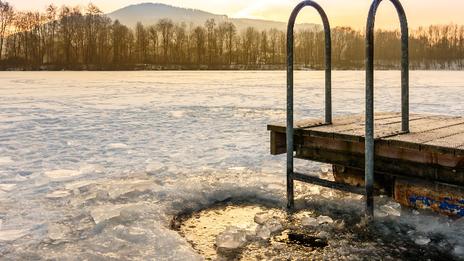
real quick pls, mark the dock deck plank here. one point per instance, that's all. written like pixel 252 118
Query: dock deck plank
pixel 442 134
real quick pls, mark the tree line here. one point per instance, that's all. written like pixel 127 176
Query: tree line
pixel 74 37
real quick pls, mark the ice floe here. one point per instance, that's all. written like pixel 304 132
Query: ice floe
pixel 62 174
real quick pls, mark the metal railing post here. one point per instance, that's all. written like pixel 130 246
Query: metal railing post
pixel 370 143
pixel 328 87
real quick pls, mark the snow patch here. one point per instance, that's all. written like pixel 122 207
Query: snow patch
pixel 12 235
pixel 177 114
pixel 118 146
pixel 7 187
pixel 6 161
pixel 58 194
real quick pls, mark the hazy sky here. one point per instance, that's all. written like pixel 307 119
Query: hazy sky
pixel 341 12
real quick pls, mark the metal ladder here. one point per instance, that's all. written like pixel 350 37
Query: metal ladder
pixel 368 191
pixel 370 143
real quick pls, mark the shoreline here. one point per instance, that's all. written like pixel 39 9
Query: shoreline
pixel 149 67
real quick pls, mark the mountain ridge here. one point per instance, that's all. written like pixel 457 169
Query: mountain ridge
pixel 150 13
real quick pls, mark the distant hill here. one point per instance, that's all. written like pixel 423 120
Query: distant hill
pixel 150 13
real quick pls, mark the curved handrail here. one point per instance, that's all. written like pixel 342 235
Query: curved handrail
pixel 328 84
pixel 369 150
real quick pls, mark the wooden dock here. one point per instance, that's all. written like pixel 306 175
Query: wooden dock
pixel 418 159
pixel 421 168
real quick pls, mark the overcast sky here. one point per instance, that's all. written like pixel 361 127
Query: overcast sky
pixel 341 12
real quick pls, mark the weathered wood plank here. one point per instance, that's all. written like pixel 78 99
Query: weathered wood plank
pixel 341 129
pixel 384 165
pixel 441 198
pixel 428 132
pixel 278 143
pixel 452 141
pixel 423 131
pixel 385 126
pixel 384 150
pixel 353 122
pixel 337 121
pixel 390 127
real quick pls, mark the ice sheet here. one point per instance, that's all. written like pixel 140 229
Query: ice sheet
pixel 80 151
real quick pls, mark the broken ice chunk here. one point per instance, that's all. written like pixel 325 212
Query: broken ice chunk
pixel 155 168
pixel 62 174
pixel 263 232
pixel 91 169
pixel 391 209
pixel 125 211
pixel 324 220
pixel 79 184
pixel 422 240
pixel 58 232
pixel 261 218
pixel 232 238
pixel 131 186
pixel 58 194
pixel 309 222
pixel 12 235
pixel 323 235
pixel 131 234
pixel 458 250
pixel 104 213
pixel 274 225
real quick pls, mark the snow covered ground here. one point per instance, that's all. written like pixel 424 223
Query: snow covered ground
pixel 95 164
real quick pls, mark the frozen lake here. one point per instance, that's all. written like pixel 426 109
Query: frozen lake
pixel 96 163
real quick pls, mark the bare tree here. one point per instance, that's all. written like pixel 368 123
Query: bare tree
pixel 6 20
pixel 153 36
pixel 199 36
pixel 165 26
pixel 210 25
pixel 141 42
pixel 230 32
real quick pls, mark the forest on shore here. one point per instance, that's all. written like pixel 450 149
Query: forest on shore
pixel 76 38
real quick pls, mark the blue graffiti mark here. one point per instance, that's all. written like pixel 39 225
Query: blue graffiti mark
pixel 424 200
pixel 447 204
